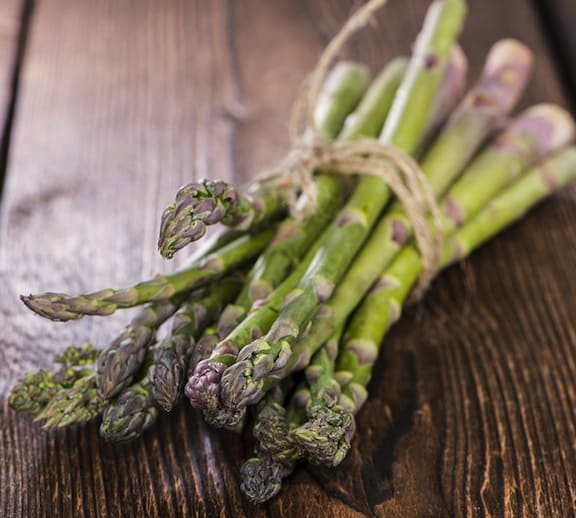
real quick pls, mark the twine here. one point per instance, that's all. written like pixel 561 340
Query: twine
pixel 398 170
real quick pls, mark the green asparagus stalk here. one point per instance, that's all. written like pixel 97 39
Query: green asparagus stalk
pixel 337 98
pixel 75 356
pixel 166 374
pixel 63 307
pixel 242 383
pixel 207 203
pixel 137 407
pixel 449 95
pixel 383 305
pixel 203 388
pixel 261 477
pixel 293 238
pixel 71 394
pixel 203 348
pixel 119 363
pixel 34 392
pixel 369 116
pixel 205 382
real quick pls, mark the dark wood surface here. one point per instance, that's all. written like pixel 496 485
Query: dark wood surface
pixel 10 13
pixel 472 409
pixel 11 16
pixel 558 20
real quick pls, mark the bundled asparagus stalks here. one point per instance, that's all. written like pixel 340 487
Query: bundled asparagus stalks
pixel 331 427
pixel 315 289
pixel 132 398
pixel 242 382
pixel 203 387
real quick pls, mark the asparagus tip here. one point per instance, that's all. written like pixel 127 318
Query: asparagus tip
pixel 508 50
pixel 128 417
pixel 326 436
pixel 232 419
pixel 166 375
pixel 273 434
pixel 197 205
pixel 238 388
pixel 48 305
pixel 262 478
pixel 553 124
pixel 203 387
pixel 115 371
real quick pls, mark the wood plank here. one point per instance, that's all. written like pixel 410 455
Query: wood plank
pixel 121 102
pixel 559 18
pixel 10 21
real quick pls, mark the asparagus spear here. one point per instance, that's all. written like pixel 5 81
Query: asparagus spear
pixel 449 95
pixel 383 305
pixel 338 96
pixel 242 383
pixel 365 332
pixel 63 307
pixel 34 392
pixel 63 397
pixel 203 389
pixel 75 356
pixel 206 203
pixel 137 407
pixel 341 92
pixel 537 132
pixel 377 101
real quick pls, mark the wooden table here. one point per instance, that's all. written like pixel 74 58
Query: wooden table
pixel 109 105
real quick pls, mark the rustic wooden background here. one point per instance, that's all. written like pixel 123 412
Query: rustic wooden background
pixel 107 106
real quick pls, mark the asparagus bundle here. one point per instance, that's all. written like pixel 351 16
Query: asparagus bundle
pixel 315 291
pixel 203 387
pixel 327 434
pixel 403 128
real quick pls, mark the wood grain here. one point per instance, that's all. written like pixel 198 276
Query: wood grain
pixel 10 17
pixel 559 18
pixel 472 412
pixel 12 31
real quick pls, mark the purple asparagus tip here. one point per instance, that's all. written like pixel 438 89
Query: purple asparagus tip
pixel 203 387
